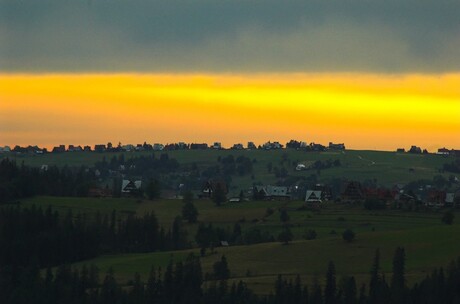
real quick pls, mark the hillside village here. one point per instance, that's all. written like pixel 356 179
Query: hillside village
pixel 117 176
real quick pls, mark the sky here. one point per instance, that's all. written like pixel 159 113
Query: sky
pixel 373 74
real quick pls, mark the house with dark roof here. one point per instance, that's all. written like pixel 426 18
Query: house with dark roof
pixel 211 186
pixel 352 191
pixel 59 149
pixel 313 196
pixel 443 151
pixel 271 192
pixel 237 147
pixel 415 150
pixel 131 187
pixel 99 148
pixel 339 147
pixel 203 146
pixel 251 145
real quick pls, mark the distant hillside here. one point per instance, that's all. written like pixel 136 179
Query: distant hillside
pixel 385 168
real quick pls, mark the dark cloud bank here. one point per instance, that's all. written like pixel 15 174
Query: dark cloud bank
pixel 390 36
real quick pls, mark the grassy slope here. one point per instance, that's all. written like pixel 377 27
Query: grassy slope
pixel 388 167
pixel 426 248
pixel 428 243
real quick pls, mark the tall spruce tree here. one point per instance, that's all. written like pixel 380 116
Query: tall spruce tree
pixel 398 281
pixel 330 290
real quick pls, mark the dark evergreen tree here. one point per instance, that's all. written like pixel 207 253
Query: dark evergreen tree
pixel 398 282
pixel 349 292
pixel 153 189
pixel 190 213
pixel 218 195
pixel 221 271
pixel 330 290
pixel 178 234
pixel 378 287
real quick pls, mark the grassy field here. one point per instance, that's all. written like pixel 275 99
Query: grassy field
pixel 259 265
pixel 388 168
pixel 427 241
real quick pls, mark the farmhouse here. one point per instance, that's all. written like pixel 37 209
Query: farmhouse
pixel 99 148
pixel 212 185
pixel 271 193
pixel 272 145
pixel 128 148
pixel 339 147
pixel 217 146
pixel 316 147
pixel 99 192
pixel 59 149
pixel 352 191
pixel 5 149
pixel 158 147
pixel 198 146
pixel 415 150
pixel 313 196
pixel 436 198
pixel 251 146
pixel 73 148
pixel 129 187
pixel 443 151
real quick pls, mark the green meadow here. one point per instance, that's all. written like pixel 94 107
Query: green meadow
pixel 387 168
pixel 428 242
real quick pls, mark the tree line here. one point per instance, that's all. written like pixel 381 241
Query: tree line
pixel 47 239
pixel 184 282
pixel 19 181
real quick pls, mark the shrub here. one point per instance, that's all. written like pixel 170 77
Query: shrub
pixel 348 235
pixel 310 234
pixel 285 236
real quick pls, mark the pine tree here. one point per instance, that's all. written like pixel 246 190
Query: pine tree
pixel 398 287
pixel 218 195
pixel 330 291
pixel 190 213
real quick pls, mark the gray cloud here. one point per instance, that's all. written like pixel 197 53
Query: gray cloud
pixel 229 35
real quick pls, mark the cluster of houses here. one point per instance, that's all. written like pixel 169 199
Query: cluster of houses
pixel 418 150
pixel 293 144
pixel 351 191
pixel 447 152
pixel 317 195
pixel 173 146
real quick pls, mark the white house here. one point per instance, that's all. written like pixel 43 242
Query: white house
pixel 313 196
pixel 129 186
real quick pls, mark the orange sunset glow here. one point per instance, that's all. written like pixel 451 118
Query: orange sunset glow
pixel 365 111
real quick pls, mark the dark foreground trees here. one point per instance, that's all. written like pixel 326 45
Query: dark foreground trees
pixel 183 282
pixel 47 238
